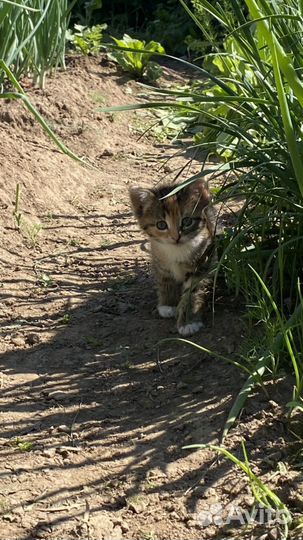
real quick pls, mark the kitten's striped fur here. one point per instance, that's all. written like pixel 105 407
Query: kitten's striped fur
pixel 181 230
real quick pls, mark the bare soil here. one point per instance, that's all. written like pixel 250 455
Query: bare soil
pixel 91 430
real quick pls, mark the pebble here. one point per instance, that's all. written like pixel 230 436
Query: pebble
pixel 249 500
pixel 197 390
pixel 73 449
pixel 116 534
pixel 63 428
pixel 137 508
pixel 49 452
pixel 164 496
pixel 181 385
pixel 57 395
pixel 107 152
pixel 174 515
pixel 190 523
pixel 210 492
pixel 122 524
pixel 32 339
pixel 18 341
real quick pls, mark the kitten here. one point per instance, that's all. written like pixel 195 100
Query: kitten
pixel 181 230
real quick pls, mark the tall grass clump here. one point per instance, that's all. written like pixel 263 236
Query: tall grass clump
pixel 250 114
pixel 247 108
pixel 32 36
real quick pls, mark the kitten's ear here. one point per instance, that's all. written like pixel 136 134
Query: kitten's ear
pixel 200 189
pixel 140 199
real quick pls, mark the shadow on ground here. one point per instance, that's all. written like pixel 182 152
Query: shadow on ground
pixel 100 417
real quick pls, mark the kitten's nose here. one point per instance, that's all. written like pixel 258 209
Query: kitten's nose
pixel 176 236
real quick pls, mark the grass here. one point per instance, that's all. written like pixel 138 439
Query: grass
pixel 264 497
pixel 247 110
pixel 98 98
pixel 46 281
pixel 105 243
pixel 23 446
pixel 121 284
pixel 31 231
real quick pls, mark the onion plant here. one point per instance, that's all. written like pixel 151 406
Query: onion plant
pixel 32 41
pixel 32 35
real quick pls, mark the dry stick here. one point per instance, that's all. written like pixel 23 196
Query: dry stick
pixel 215 460
pixel 74 420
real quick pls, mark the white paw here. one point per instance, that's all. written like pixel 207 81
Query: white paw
pixel 167 312
pixel 190 329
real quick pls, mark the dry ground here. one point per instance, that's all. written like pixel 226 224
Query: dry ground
pixel 91 430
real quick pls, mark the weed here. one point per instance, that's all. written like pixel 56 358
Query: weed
pixel 66 319
pixel 247 110
pixel 98 98
pixel 46 281
pixel 74 242
pixel 86 40
pixel 121 284
pixel 134 56
pixel 106 243
pixel 93 342
pixel 137 498
pixel 128 365
pixel 4 506
pixel 32 231
pixel 263 495
pixel 23 446
pixel 150 535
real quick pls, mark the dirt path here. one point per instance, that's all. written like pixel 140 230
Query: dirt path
pixel 91 431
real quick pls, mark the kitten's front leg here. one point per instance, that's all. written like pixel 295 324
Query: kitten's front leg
pixel 168 295
pixel 191 304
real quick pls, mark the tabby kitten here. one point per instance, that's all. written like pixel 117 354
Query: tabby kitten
pixel 181 230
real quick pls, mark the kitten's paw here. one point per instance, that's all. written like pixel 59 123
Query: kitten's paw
pixel 167 312
pixel 190 329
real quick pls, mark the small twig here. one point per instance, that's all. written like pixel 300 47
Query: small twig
pixel 74 420
pixel 59 508
pixel 216 459
pixel 158 360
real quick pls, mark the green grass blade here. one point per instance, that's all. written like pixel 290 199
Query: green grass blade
pixel 286 66
pixel 244 393
pixel 204 349
pixel 284 331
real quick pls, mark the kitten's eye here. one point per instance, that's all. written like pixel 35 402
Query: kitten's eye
pixel 162 225
pixel 187 222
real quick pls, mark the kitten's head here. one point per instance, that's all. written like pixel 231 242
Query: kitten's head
pixel 176 219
